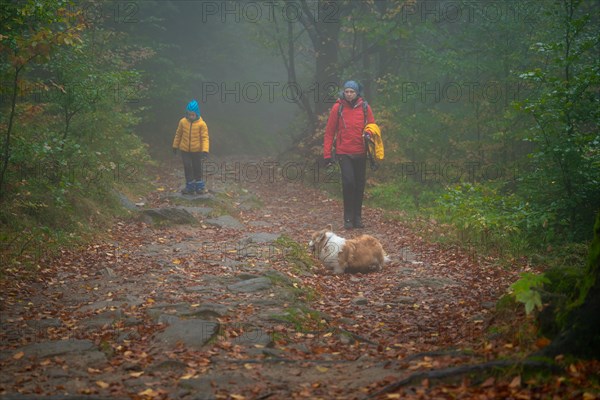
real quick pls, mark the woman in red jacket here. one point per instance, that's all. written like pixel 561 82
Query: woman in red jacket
pixel 344 143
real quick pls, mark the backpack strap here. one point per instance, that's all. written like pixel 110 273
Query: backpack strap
pixel 337 127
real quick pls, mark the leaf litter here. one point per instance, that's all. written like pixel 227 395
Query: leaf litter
pixel 307 334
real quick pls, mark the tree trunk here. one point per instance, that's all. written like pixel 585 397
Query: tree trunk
pixel 327 68
pixel 323 28
pixel 303 101
pixel 582 337
pixel 6 152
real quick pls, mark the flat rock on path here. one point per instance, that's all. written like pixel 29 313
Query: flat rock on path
pixel 192 333
pixel 260 238
pixel 57 348
pixel 225 221
pixel 175 215
pixel 251 285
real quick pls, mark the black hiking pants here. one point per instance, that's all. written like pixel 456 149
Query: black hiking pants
pixel 354 177
pixel 192 166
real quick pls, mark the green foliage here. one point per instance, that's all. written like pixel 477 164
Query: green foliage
pixel 592 270
pixel 69 139
pixel 450 93
pixel 527 290
pixel 407 195
pixel 296 254
pixel 570 279
pixel 561 292
pixel 31 30
pixel 304 319
pixel 483 208
pixel 485 217
pixel 564 105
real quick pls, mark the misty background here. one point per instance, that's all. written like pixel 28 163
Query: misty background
pixel 210 51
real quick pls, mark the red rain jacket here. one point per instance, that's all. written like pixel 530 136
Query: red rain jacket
pixel 349 127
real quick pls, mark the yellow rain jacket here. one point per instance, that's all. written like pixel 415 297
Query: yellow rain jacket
pixel 191 136
pixel 376 147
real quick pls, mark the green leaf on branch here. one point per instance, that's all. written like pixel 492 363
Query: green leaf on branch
pixel 527 290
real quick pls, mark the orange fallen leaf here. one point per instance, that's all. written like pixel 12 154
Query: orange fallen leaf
pixel 102 384
pixel 488 382
pixel 516 382
pixel 18 355
pixel 573 369
pixel 542 342
pixel 149 393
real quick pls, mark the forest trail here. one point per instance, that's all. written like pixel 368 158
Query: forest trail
pixel 233 307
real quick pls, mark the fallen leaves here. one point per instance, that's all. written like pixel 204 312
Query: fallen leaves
pixel 159 265
pixel 516 382
pixel 150 393
pixel 102 384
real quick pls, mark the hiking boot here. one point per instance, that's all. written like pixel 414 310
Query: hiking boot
pixel 358 223
pixel 200 187
pixel 348 224
pixel 189 188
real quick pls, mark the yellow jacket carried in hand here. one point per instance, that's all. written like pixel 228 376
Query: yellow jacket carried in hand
pixel 376 143
pixel 191 136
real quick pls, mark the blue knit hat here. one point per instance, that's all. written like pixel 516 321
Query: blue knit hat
pixel 352 85
pixel 194 107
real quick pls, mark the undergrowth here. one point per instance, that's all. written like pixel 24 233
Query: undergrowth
pixel 36 225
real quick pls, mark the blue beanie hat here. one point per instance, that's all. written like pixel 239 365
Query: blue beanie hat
pixel 193 107
pixel 352 85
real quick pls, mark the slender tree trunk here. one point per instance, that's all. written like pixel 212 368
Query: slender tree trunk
pixel 6 152
pixel 67 123
pixel 303 100
pixel 366 68
pixel 323 29
pixel 327 69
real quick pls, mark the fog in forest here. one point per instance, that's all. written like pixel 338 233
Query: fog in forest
pixel 167 168
pixel 496 99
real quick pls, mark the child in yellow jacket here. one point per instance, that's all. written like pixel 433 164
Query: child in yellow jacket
pixel 192 140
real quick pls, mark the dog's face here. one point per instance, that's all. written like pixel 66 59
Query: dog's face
pixel 327 246
pixel 318 240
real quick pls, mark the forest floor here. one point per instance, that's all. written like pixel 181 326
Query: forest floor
pixel 230 305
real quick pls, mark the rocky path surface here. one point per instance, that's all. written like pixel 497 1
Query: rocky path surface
pixel 216 297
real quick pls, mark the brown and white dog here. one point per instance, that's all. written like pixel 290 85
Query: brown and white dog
pixel 362 254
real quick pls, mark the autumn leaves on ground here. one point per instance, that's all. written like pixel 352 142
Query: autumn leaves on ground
pixel 216 297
